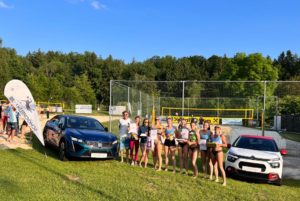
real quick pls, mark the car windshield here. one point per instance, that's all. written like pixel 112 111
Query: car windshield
pixel 256 144
pixel 84 123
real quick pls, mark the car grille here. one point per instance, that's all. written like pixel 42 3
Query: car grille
pixel 252 174
pixel 255 165
pixel 99 144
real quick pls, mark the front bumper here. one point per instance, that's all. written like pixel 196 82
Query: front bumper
pixel 82 150
pixel 246 168
pixel 271 178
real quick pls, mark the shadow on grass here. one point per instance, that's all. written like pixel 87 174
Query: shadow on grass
pixel 62 176
pixel 9 186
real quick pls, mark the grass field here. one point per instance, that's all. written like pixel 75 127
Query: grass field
pixel 29 175
pixel 291 136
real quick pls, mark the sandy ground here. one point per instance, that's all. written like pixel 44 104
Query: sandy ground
pixel 24 144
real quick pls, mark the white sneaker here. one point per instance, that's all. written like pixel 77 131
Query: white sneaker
pixel 132 163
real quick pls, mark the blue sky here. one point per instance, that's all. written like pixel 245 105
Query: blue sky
pixel 140 29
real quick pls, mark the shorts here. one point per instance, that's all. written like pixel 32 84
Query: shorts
pixel 143 146
pixel 124 143
pixel 182 144
pixel 215 153
pixel 13 125
pixel 193 147
pixel 170 143
pixel 24 123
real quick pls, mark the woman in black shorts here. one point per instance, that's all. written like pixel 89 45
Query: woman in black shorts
pixel 193 142
pixel 170 145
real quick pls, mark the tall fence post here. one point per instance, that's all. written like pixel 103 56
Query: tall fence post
pixel 264 108
pixel 182 113
pixel 141 104
pixel 110 104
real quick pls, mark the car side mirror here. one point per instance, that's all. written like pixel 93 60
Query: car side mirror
pixel 228 146
pixel 283 152
pixel 106 129
pixel 60 126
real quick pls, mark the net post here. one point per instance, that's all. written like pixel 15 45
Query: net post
pixel 182 113
pixel 264 109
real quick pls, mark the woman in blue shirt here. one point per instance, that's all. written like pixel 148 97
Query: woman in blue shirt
pixel 204 137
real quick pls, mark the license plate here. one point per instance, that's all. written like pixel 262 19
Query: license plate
pixel 251 169
pixel 99 155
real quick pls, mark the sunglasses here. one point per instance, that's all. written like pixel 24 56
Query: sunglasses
pixel 146 121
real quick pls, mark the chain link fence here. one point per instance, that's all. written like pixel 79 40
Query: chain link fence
pixel 261 105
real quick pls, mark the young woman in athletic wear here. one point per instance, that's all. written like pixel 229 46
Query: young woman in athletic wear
pixel 205 155
pixel 134 142
pixel 183 147
pixel 193 142
pixel 217 153
pixel 158 143
pixel 143 134
pixel 170 145
pixel 124 123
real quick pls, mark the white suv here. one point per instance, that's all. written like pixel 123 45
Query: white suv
pixel 255 157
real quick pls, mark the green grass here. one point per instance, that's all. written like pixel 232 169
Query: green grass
pixel 29 175
pixel 291 136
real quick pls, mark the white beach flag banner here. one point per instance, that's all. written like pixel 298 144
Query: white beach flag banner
pixel 21 98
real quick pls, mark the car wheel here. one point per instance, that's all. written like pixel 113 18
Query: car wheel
pixel 279 183
pixel 62 151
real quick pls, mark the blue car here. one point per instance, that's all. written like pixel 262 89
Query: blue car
pixel 80 137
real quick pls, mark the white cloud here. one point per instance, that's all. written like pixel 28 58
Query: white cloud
pixel 97 5
pixel 4 5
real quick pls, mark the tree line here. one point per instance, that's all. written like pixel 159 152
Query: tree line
pixel 84 77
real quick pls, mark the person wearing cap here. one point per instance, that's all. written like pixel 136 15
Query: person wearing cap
pixel 170 145
pixel 217 153
pixel 183 147
pixel 159 129
pixel 193 142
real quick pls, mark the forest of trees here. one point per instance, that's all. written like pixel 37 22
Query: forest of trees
pixel 84 78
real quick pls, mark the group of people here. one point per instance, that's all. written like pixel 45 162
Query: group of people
pixel 10 122
pixel 188 140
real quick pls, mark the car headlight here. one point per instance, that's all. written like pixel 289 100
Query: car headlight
pixel 275 165
pixel 232 158
pixel 76 139
pixel 115 142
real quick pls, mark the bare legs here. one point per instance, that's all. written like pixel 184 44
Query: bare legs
pixel 194 159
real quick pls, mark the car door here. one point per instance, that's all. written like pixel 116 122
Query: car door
pixel 52 130
pixel 60 130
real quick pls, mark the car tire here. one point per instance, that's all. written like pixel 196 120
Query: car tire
pixel 279 183
pixel 62 151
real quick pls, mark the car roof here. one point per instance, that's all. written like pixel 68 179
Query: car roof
pixel 258 136
pixel 76 116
